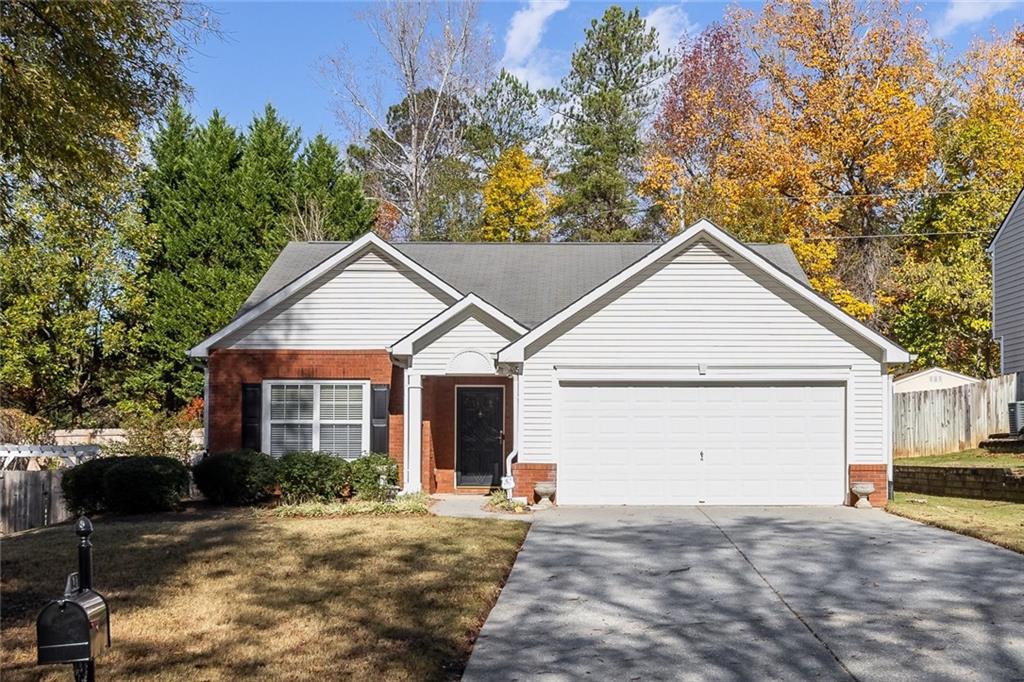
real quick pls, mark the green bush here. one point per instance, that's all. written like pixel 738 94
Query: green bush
pixel 137 485
pixel 313 477
pixel 243 477
pixel 367 475
pixel 82 485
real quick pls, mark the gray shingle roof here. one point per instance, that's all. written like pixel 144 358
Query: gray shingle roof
pixel 530 281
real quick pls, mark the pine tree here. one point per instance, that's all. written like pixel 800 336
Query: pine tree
pixel 602 104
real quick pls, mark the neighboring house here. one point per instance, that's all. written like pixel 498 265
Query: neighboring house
pixel 931 379
pixel 701 370
pixel 1007 252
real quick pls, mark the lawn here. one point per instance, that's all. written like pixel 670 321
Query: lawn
pixel 967 458
pixel 1001 523
pixel 225 595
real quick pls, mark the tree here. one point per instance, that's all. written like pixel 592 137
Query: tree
pixel 601 105
pixel 204 259
pixel 504 117
pixel 436 59
pixel 79 80
pixel 515 200
pixel 68 296
pixel 844 134
pixel 939 297
pixel 707 112
pixel 327 202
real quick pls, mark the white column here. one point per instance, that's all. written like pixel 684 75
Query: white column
pixel 413 431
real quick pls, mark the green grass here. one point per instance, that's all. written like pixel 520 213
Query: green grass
pixel 230 595
pixel 968 458
pixel 1001 523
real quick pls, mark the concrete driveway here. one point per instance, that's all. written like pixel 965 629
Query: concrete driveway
pixel 712 593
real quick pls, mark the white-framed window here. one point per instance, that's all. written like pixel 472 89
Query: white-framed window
pixel 326 416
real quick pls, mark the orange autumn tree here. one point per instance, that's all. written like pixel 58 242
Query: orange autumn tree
pixel 831 137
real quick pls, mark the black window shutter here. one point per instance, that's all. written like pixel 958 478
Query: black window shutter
pixel 379 418
pixel 252 413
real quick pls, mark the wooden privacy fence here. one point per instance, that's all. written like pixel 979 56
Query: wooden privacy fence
pixel 950 419
pixel 31 499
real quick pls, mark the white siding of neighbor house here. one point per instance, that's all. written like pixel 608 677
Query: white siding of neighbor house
pixel 370 302
pixel 1008 289
pixel 703 306
pixel 467 333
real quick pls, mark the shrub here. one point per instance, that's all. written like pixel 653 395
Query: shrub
pixel 150 434
pixel 374 476
pixel 82 485
pixel 312 477
pixel 137 485
pixel 242 477
pixel 23 428
pixel 413 504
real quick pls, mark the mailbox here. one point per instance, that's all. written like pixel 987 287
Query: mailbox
pixel 73 629
pixel 76 627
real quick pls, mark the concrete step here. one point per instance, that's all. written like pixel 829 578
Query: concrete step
pixel 1003 445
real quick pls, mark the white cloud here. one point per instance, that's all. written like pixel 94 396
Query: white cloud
pixel 523 56
pixel 960 13
pixel 672 23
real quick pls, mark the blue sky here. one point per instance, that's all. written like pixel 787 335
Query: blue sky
pixel 273 51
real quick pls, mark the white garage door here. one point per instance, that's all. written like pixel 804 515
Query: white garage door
pixel 714 444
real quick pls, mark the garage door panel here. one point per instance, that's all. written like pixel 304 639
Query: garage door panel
pixel 642 444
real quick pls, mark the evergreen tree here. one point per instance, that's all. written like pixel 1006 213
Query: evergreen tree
pixel 204 260
pixel 602 104
pixel 327 202
pixel 266 176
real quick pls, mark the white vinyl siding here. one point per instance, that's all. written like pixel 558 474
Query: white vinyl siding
pixel 1008 290
pixel 469 333
pixel 703 306
pixel 324 416
pixel 370 302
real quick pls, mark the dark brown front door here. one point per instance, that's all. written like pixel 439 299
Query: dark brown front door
pixel 479 420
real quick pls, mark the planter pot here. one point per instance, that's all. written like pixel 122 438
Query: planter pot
pixel 544 490
pixel 863 491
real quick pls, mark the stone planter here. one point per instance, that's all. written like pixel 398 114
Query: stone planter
pixel 544 490
pixel 863 490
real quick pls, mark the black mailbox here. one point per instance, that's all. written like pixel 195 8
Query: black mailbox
pixel 73 629
pixel 76 627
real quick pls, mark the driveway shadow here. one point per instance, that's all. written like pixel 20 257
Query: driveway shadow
pixel 753 593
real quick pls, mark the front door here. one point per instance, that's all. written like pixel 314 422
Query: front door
pixel 479 424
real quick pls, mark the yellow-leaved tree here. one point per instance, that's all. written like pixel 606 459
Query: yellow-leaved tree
pixel 809 122
pixel 939 300
pixel 516 200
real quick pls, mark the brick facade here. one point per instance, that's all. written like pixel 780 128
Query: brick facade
pixel 438 458
pixel 872 473
pixel 229 369
pixel 528 475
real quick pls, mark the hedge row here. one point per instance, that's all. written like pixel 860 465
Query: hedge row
pixel 136 485
pixel 247 477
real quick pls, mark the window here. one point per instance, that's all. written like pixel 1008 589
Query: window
pixel 327 416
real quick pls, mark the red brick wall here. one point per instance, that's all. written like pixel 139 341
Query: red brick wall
pixel 528 475
pixel 872 473
pixel 439 428
pixel 229 369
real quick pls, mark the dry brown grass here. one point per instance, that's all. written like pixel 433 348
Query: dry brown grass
pixel 1001 523
pixel 228 595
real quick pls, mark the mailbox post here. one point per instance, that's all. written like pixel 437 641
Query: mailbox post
pixel 72 629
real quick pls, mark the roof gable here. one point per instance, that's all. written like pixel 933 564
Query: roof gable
pixel 352 253
pixel 1017 204
pixel 471 305
pixel 517 350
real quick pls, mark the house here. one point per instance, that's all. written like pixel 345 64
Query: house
pixel 931 379
pixel 700 370
pixel 1007 252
